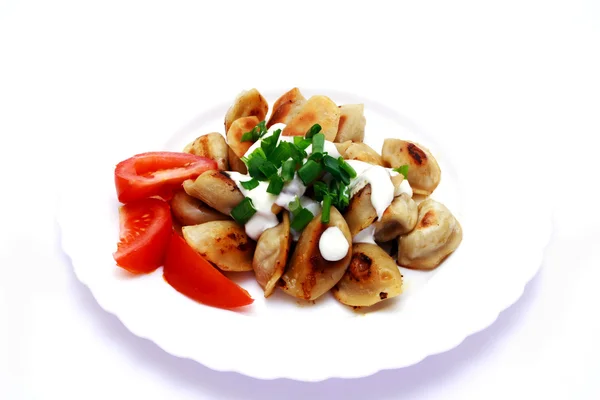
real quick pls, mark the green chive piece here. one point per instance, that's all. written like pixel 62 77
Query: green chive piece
pixel 249 185
pixel 318 143
pixel 317 157
pixel 268 144
pixel 326 209
pixel 287 170
pixel 316 128
pixel 243 211
pixel 347 167
pixel 280 154
pixel 301 220
pixel 275 185
pixel 268 169
pixel 310 172
pixel 256 133
pixel 298 154
pixel 320 190
pixel 301 142
pixel 402 170
pixel 295 206
pixel 255 161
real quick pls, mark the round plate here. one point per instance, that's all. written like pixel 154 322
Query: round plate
pixel 282 337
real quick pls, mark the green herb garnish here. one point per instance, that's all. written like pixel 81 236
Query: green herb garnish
pixel 288 169
pixel 318 143
pixel 249 185
pixel 347 167
pixel 402 170
pixel 310 171
pixel 268 169
pixel 301 142
pixel 256 133
pixel 269 143
pixel 301 219
pixel 275 185
pixel 243 211
pixel 280 154
pixel 326 209
pixel 316 128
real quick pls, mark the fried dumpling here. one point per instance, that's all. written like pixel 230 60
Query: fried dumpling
pixel 398 219
pixel 237 130
pixel 309 275
pixel 371 277
pixel 361 152
pixel 271 254
pixel 248 103
pixel 286 107
pixel 223 243
pixel 352 123
pixel 316 110
pixel 423 170
pixel 216 189
pixel 188 210
pixel 437 234
pixel 212 145
pixel 360 212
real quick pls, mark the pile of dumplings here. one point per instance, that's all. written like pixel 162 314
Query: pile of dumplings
pixel 423 232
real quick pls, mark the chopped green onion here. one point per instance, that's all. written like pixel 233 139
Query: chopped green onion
pixel 301 142
pixel 256 133
pixel 249 185
pixel 268 144
pixel 316 128
pixel 326 209
pixel 317 157
pixel 298 154
pixel 268 169
pixel 243 211
pixel 280 154
pixel 301 219
pixel 347 167
pixel 320 190
pixel 309 172
pixel 318 143
pixel 343 198
pixel 295 206
pixel 287 170
pixel 255 161
pixel 275 185
pixel 402 170
pixel 332 166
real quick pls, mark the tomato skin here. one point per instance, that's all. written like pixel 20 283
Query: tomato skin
pixel 157 173
pixel 190 274
pixel 145 230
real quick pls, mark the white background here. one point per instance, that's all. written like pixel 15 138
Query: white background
pixel 79 78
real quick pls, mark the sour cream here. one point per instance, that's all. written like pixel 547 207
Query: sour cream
pixel 382 188
pixel 332 244
pixel 365 236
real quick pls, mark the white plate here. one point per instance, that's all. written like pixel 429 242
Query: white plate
pixel 281 337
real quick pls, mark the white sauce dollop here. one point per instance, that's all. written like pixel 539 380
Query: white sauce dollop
pixel 365 236
pixel 382 188
pixel 332 244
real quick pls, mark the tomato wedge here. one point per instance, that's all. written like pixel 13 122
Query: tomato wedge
pixel 190 274
pixel 145 231
pixel 157 173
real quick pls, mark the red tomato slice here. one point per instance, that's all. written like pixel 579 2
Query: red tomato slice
pixel 157 174
pixel 190 274
pixel 145 231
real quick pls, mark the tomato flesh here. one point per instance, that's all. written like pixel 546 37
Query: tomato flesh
pixel 157 173
pixel 190 274
pixel 145 231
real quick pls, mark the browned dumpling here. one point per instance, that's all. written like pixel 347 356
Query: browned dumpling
pixel 188 210
pixel 360 213
pixel 286 107
pixel 237 130
pixel 216 189
pixel 235 163
pixel 352 123
pixel 399 218
pixel 248 103
pixel 436 235
pixel 423 170
pixel 371 277
pixel 309 275
pixel 223 243
pixel 316 110
pixel 271 254
pixel 360 152
pixel 212 145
